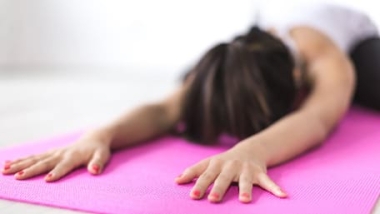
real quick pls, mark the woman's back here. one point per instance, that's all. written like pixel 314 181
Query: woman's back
pixel 344 26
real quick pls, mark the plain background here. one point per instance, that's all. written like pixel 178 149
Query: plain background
pixel 165 34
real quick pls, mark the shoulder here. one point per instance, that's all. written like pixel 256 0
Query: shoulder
pixel 327 66
pixel 313 43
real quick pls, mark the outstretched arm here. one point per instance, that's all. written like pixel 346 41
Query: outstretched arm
pixel 143 123
pixel 247 162
pixel 93 149
pixel 333 84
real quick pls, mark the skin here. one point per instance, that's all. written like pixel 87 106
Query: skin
pixel 332 81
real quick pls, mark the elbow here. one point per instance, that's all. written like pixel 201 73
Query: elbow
pixel 322 132
pixel 164 117
pixel 328 124
pixel 321 137
pixel 324 124
pixel 318 128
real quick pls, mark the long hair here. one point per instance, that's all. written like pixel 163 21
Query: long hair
pixel 238 88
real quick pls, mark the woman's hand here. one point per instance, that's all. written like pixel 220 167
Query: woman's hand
pixel 91 150
pixel 235 165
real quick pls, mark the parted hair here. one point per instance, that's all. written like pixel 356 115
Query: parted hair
pixel 238 88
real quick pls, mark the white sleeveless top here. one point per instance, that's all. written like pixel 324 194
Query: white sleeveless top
pixel 346 27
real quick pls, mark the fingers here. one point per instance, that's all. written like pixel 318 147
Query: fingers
pixel 6 167
pixel 59 162
pixel 37 168
pixel 221 184
pixel 11 167
pixel 265 182
pixel 222 174
pixel 62 168
pixel 98 161
pixel 245 186
pixel 192 172
pixel 204 181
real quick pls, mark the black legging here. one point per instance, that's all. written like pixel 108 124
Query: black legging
pixel 366 58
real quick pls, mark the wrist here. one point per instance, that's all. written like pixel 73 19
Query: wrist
pixel 105 135
pixel 254 148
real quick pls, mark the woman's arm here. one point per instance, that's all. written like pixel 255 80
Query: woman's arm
pixel 143 123
pixel 93 149
pixel 247 162
pixel 333 85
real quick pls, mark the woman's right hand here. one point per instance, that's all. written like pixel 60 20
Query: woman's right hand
pixel 91 150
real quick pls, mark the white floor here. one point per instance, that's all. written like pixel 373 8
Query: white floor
pixel 40 103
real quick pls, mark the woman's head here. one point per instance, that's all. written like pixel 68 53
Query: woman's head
pixel 239 88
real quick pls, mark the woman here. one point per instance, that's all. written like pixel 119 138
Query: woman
pixel 280 93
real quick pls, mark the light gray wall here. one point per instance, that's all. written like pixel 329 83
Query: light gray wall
pixel 168 34
pixel 165 33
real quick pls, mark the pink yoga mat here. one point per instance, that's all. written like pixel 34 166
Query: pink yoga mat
pixel 342 176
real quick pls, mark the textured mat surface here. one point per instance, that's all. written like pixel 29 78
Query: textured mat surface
pixel 342 176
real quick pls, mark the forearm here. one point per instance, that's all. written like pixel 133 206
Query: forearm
pixel 136 126
pixel 310 125
pixel 288 138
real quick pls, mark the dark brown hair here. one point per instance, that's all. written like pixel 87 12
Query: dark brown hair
pixel 239 88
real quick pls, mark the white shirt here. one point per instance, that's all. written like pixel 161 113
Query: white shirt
pixel 346 27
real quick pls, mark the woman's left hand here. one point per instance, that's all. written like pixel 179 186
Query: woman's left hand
pixel 234 165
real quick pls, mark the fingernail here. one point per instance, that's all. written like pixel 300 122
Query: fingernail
pixel 214 195
pixel 49 175
pixel 180 175
pixel 245 195
pixel 280 192
pixel 6 167
pixel 197 193
pixel 96 168
pixel 20 173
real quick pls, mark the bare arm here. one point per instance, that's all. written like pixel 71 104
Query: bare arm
pixel 143 123
pixel 333 85
pixel 93 149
